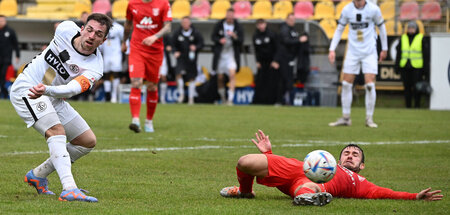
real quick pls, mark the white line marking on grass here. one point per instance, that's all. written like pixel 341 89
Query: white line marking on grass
pixel 308 143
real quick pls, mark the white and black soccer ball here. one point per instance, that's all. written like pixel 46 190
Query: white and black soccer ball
pixel 319 166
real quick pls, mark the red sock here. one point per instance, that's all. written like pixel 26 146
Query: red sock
pixel 135 102
pixel 304 190
pixel 245 181
pixel 152 100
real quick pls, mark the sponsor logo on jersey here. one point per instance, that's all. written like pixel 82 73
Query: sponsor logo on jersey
pixel 56 64
pixel 41 106
pixel 358 26
pixel 146 23
pixel 135 11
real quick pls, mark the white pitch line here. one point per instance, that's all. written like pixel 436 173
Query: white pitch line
pixel 308 143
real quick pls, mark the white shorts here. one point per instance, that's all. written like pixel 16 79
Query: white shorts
pixel 352 63
pixel 225 65
pixel 163 69
pixel 45 112
pixel 112 64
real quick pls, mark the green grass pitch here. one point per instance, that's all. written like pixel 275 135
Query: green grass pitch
pixel 181 167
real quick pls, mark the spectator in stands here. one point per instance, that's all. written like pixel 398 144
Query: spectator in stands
pixel 288 50
pixel 303 60
pixel 264 41
pixel 112 60
pixel 412 61
pixel 8 43
pixel 187 42
pixel 166 68
pixel 83 17
pixel 228 37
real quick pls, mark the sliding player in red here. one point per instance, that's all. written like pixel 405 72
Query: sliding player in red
pixel 287 175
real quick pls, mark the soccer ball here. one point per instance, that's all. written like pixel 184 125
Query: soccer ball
pixel 319 166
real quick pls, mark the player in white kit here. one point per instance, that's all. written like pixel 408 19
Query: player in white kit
pixel 78 64
pixel 112 60
pixel 361 16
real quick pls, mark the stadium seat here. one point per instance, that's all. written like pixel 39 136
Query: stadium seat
pixel 200 9
pixel 329 26
pixel 8 7
pixel 262 9
pixel 180 9
pixel 390 25
pixel 303 10
pixel 431 11
pixel 219 9
pixel 409 11
pixel 101 6
pixel 81 6
pixel 281 9
pixel 244 77
pixel 324 10
pixel 119 9
pixel 387 10
pixel 340 6
pixel 242 9
pixel 419 25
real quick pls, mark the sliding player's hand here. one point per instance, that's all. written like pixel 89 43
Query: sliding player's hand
pixel 429 195
pixel 37 91
pixel 262 142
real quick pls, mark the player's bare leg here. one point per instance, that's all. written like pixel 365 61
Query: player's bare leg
pixel 370 99
pixel 135 103
pixel 191 91
pixel 231 86
pixel 221 87
pixel 152 101
pixel 180 88
pixel 346 101
pixel 247 168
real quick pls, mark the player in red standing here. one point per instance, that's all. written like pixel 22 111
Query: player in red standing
pixel 287 175
pixel 150 20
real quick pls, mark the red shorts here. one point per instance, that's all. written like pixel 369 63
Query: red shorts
pixel 286 174
pixel 145 65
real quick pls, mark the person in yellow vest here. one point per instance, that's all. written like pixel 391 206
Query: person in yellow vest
pixel 412 62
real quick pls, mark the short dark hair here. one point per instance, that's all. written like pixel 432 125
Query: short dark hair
pixel 230 10
pixel 1 15
pixel 102 19
pixel 259 21
pixel 355 146
pixel 186 17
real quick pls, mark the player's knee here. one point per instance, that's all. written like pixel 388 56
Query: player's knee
pixel 57 129
pixel 152 87
pixel 244 162
pixel 91 142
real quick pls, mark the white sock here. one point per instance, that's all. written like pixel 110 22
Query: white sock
pixel 230 95
pixel 221 92
pixel 75 152
pixel 135 121
pixel 149 122
pixel 192 89
pixel 371 97
pixel 180 85
pixel 163 88
pixel 107 86
pixel 61 160
pixel 115 87
pixel 346 98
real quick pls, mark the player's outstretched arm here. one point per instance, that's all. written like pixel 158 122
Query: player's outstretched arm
pixel 429 195
pixel 262 142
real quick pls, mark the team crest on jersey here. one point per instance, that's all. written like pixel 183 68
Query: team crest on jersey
pixel 74 68
pixel 41 106
pixel 155 11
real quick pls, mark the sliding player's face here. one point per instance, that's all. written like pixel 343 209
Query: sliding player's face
pixel 93 34
pixel 351 159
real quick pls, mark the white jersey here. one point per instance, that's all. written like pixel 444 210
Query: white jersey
pixel 361 35
pixel 111 48
pixel 64 59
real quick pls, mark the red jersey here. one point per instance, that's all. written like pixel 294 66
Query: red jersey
pixel 287 175
pixel 348 184
pixel 148 19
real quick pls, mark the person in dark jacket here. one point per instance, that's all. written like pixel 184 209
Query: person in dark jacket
pixel 8 43
pixel 228 37
pixel 264 41
pixel 166 69
pixel 287 52
pixel 413 62
pixel 303 60
pixel 187 42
